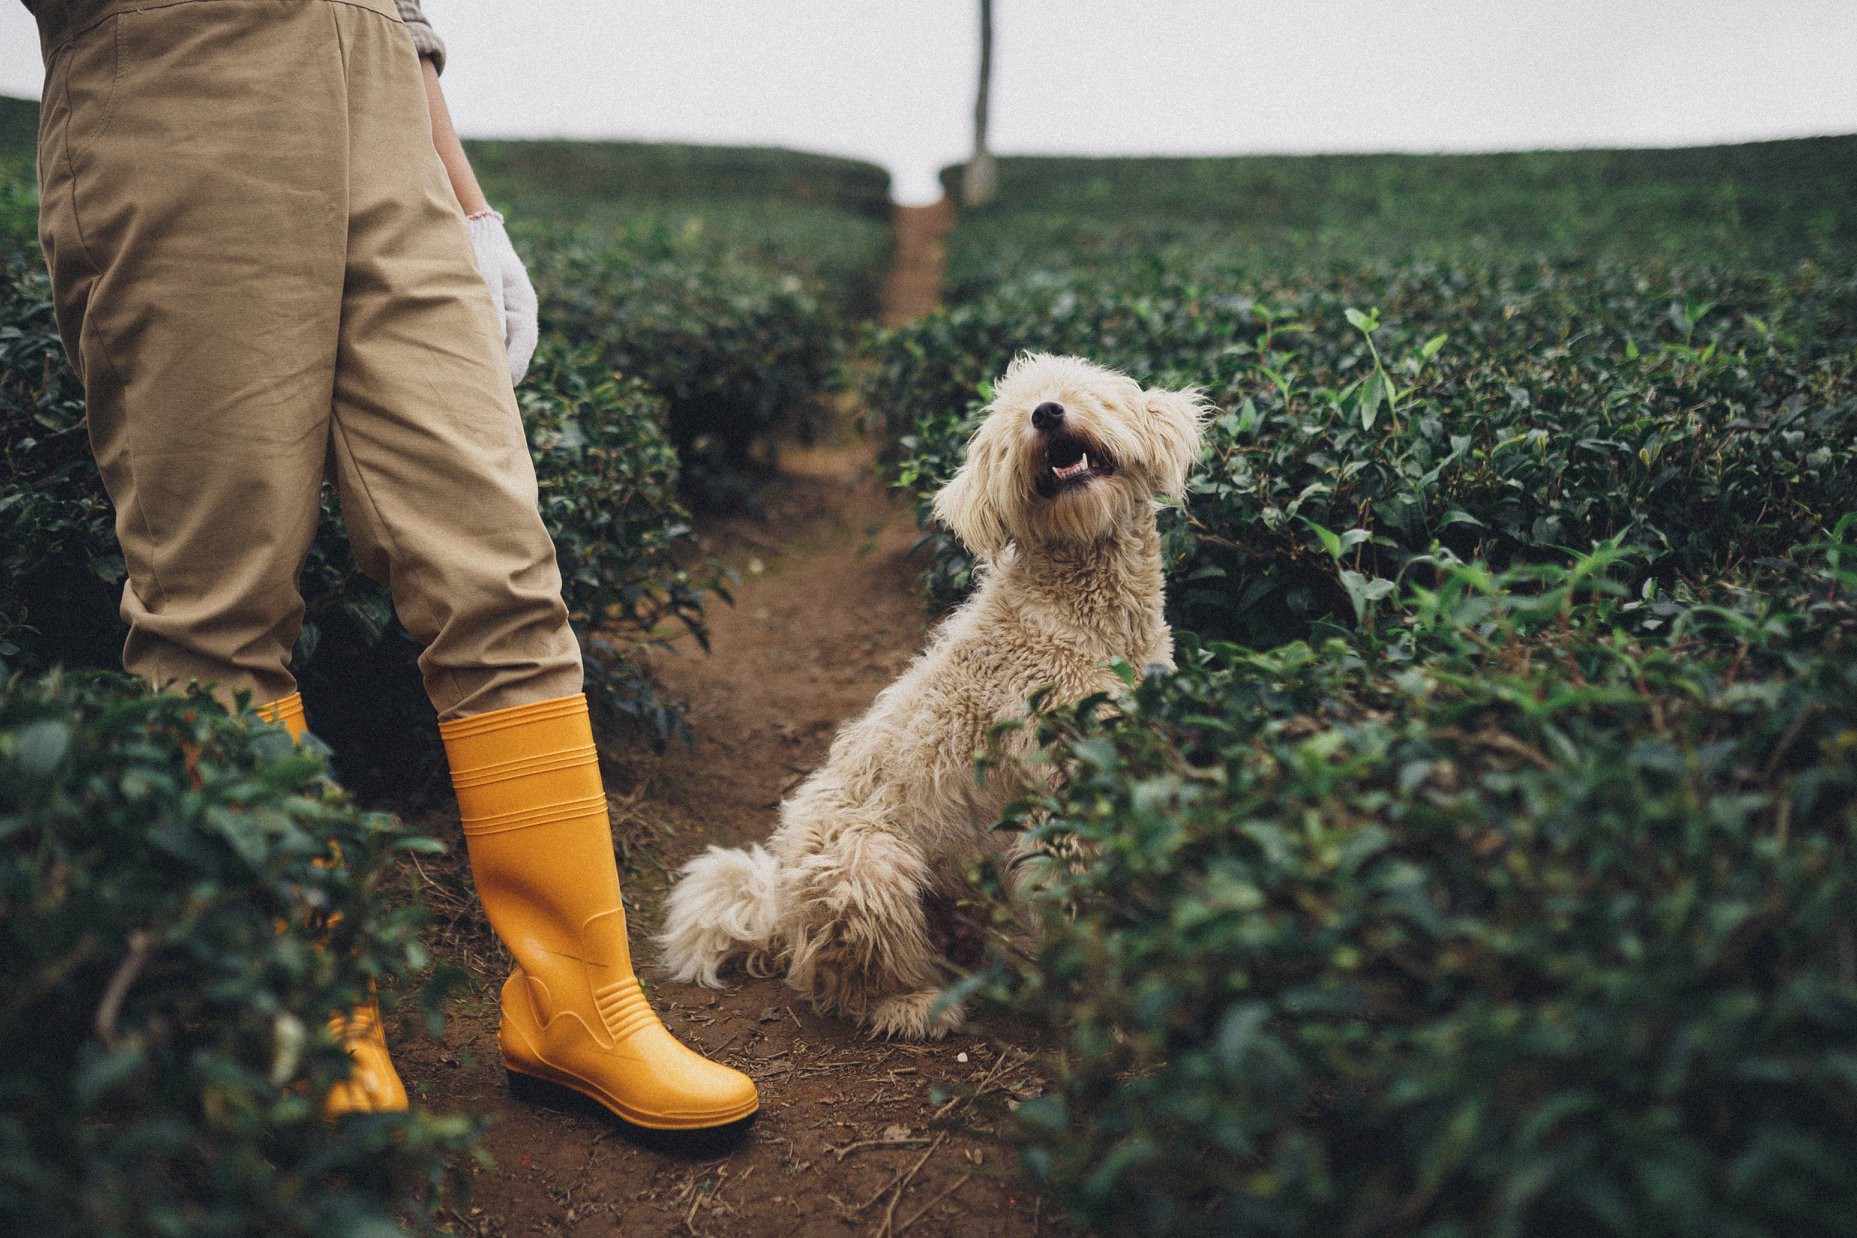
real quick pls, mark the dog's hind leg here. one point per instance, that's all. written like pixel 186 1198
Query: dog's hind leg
pixel 861 946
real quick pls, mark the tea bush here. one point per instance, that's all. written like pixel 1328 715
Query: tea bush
pixel 1495 884
pixel 723 278
pixel 1531 910
pixel 565 176
pixel 1767 205
pixel 60 569
pixel 1506 410
pixel 174 944
pixel 735 351
pixel 821 218
pixel 19 127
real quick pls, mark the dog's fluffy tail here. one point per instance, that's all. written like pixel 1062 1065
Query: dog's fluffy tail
pixel 725 906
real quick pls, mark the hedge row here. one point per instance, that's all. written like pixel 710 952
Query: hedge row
pixel 1764 204
pixel 736 351
pixel 823 219
pixel 174 940
pixel 1502 881
pixel 1505 409
pixel 1529 909
pixel 725 279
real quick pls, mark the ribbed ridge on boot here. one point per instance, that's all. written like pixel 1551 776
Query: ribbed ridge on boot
pixel 362 1021
pixel 623 1008
pixel 286 711
pixel 542 763
pixel 569 707
pixel 523 819
pixel 525 766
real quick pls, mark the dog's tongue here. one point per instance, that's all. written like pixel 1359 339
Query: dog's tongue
pixel 1081 467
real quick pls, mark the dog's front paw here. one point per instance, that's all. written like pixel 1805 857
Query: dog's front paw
pixel 921 1015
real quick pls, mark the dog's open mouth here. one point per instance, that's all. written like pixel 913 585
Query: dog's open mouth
pixel 1070 461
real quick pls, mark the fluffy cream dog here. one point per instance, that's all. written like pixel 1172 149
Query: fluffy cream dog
pixel 1056 499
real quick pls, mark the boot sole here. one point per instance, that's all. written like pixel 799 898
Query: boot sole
pixel 560 1092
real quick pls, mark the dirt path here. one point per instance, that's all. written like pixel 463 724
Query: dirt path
pixel 855 1136
pixel 914 284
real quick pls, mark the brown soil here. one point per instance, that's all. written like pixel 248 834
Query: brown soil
pixel 914 284
pixel 855 1135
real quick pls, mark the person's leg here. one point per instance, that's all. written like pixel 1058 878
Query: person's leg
pixel 438 490
pixel 373 1085
pixel 186 167
pixel 193 165
pixel 440 497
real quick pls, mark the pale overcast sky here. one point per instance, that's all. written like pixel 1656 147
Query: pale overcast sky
pixel 892 80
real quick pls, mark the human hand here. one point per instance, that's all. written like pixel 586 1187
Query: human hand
pixel 510 290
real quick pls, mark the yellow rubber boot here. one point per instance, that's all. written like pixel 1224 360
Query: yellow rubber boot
pixel 373 1085
pixel 534 814
pixel 287 712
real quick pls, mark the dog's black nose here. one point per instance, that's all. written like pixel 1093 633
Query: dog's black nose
pixel 1047 414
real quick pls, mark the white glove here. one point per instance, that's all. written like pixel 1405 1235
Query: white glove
pixel 510 290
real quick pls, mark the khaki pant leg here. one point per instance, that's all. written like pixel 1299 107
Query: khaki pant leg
pixel 192 164
pixel 438 489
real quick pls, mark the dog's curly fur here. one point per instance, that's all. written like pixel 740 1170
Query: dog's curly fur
pixel 1056 500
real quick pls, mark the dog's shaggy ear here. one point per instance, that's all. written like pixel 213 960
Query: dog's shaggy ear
pixel 1176 420
pixel 967 505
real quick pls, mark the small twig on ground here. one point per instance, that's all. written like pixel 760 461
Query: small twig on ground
pixel 921 1212
pixel 888 1227
pixel 842 1152
pixel 903 1177
pixel 698 1196
pixel 457 1218
pixel 977 1093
